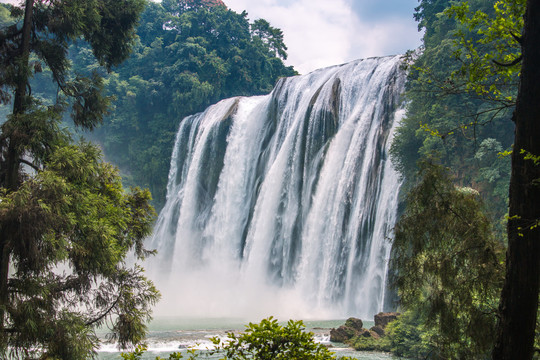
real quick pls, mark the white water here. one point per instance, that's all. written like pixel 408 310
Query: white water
pixel 167 335
pixel 282 204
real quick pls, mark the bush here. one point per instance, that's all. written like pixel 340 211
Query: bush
pixel 362 343
pixel 271 341
pixel 407 337
pixel 265 341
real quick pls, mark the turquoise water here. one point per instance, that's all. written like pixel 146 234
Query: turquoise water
pixel 168 334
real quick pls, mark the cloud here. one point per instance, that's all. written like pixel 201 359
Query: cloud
pixel 322 33
pixel 393 36
pixel 315 31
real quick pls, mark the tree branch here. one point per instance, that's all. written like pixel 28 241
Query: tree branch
pixel 515 62
pixel 519 39
pixel 102 316
pixel 26 162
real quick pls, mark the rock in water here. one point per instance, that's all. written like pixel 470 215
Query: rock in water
pixel 353 327
pixel 354 323
pixel 340 335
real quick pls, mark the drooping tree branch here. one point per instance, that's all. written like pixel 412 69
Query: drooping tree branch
pixel 515 62
pixel 33 166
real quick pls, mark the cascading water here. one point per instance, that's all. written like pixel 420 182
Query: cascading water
pixel 282 204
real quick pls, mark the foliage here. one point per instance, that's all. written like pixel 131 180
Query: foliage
pixel 449 116
pixel 189 56
pixel 66 223
pixel 139 351
pixel 409 337
pixel 449 267
pixel 271 341
pixel 266 340
pixel 362 343
pixel 5 17
pixel 489 48
pixel 69 228
pixel 52 28
pixel 495 45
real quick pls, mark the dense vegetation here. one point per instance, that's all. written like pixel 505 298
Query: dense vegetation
pixel 186 58
pixel 467 131
pixel 66 223
pixel 463 91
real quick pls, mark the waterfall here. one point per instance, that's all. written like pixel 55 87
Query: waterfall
pixel 283 204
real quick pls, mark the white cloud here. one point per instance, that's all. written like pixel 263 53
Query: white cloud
pixel 391 36
pixel 315 31
pixel 322 33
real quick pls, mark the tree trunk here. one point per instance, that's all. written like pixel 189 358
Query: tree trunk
pixel 13 155
pixel 20 101
pixel 519 297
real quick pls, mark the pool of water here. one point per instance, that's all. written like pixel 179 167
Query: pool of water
pixel 170 334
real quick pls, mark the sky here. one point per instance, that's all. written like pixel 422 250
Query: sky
pixel 321 33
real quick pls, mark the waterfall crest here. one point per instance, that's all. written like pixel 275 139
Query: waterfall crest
pixel 282 204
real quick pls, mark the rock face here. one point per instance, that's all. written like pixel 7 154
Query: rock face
pixel 383 319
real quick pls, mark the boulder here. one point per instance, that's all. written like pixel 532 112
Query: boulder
pixel 341 334
pixel 364 333
pixel 383 319
pixel 378 330
pixel 354 323
pixel 353 327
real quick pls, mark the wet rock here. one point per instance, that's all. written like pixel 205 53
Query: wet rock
pixel 341 334
pixel 353 327
pixel 354 323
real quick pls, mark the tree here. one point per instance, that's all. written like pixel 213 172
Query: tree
pixel 448 267
pixel 66 224
pixel 449 119
pixel 189 56
pixel 513 35
pixel 519 298
pixel 502 48
pixel 271 36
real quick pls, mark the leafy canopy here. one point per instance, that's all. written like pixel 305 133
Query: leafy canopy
pixel 488 47
pixel 459 100
pixel 190 55
pixel 66 223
